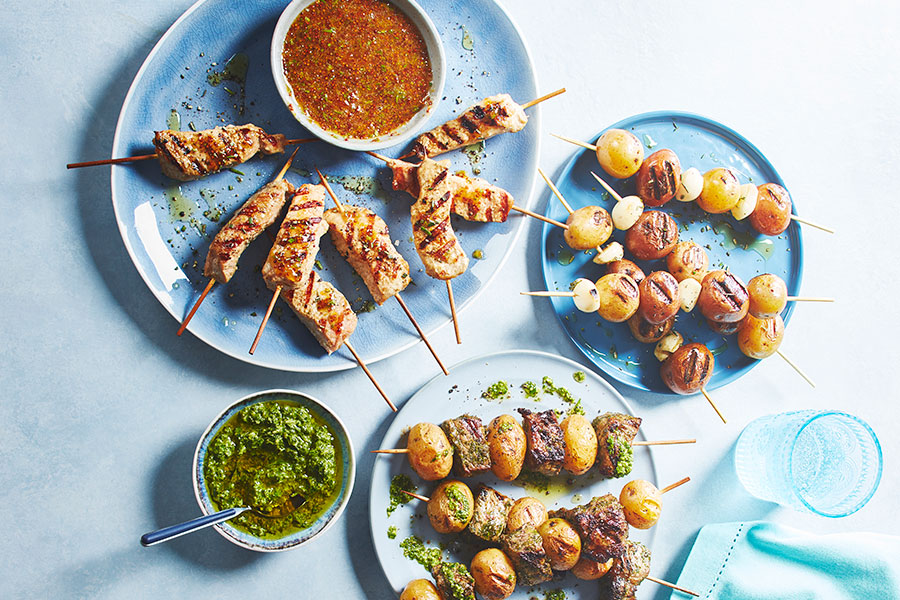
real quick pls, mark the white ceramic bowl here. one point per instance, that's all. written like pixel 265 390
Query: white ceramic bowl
pixel 326 520
pixel 403 133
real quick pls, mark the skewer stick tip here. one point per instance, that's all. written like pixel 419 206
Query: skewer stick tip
pixel 555 191
pixel 576 142
pixel 796 368
pixel 544 97
pixel 416 496
pixel 421 333
pixel 673 586
pixel 713 404
pixel 368 373
pixel 672 486
pixel 328 189
pixel 453 312
pixel 262 326
pixel 811 224
pixel 287 165
pixel 197 304
pixel 607 187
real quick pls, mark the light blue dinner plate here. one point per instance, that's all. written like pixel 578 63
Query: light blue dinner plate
pixel 448 397
pixel 698 142
pixel 168 241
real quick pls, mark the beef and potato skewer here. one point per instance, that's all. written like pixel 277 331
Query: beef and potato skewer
pixel 189 155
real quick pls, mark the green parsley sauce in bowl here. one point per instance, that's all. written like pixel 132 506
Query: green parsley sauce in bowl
pixel 264 450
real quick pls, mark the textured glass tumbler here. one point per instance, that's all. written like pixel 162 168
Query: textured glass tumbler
pixel 824 462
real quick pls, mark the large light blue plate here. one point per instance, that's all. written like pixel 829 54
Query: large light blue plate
pixel 169 249
pixel 698 142
pixel 448 397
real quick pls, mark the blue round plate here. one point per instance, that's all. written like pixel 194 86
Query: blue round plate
pixel 326 520
pixel 464 389
pixel 168 240
pixel 698 142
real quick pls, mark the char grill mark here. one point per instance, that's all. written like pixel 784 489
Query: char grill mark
pixel 545 443
pixel 601 525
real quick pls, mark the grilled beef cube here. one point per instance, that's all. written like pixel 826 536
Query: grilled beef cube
pixel 489 517
pixel 615 432
pixel 601 525
pixel 525 549
pixel 470 449
pixel 627 573
pixel 546 447
pixel 453 581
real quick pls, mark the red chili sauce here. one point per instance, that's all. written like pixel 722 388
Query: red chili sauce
pixel 358 68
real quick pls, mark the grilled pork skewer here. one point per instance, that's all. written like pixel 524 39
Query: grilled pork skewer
pixel 188 155
pixel 492 116
pixel 257 214
pixel 435 241
pixel 362 238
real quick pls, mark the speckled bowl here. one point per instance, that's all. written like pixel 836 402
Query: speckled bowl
pixel 438 73
pixel 325 521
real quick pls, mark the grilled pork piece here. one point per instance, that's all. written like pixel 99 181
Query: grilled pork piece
pixel 615 432
pixel 525 549
pixel 546 448
pixel 292 257
pixel 453 581
pixel 601 525
pixel 489 514
pixel 187 155
pixel 362 238
pixel 257 213
pixel 435 241
pixel 470 449
pixel 323 309
pixel 474 199
pixel 493 115
pixel 627 573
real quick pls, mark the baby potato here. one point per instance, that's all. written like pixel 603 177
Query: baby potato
pixel 688 369
pixel 561 543
pixel 647 332
pixel 589 227
pixel 687 259
pixel 660 297
pixel 626 212
pixel 619 297
pixel 580 441
pixel 721 191
pixel 760 338
pixel 611 253
pixel 659 177
pixel 653 236
pixel 772 214
pixel 691 185
pixel 506 440
pixel 620 153
pixel 420 589
pixel 626 267
pixel 768 295
pixel 526 511
pixel 641 503
pixel 723 328
pixel 450 506
pixel 589 569
pixel 430 453
pixel 723 297
pixel 495 577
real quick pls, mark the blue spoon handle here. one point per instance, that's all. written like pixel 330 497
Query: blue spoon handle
pixel 173 531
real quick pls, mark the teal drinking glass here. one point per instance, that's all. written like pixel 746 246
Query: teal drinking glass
pixel 824 462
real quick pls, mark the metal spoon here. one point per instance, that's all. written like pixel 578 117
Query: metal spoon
pixel 173 531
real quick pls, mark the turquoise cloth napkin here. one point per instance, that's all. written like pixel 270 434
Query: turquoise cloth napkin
pixel 746 561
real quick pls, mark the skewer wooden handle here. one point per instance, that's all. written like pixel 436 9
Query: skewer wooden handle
pixel 811 224
pixel 549 294
pixel 265 320
pixel 576 142
pixel 368 373
pixel 555 191
pixel 664 442
pixel 391 451
pixel 453 312
pixel 672 585
pixel 808 299
pixel 416 496
pixel 713 404
pixel 796 368
pixel 544 97
pixel 535 215
pixel 421 333
pixel 607 187
pixel 110 161
pixel 197 304
pixel 672 486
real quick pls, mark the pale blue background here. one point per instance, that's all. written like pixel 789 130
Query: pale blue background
pixel 102 405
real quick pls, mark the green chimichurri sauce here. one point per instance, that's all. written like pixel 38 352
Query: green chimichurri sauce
pixel 266 454
pixel 399 484
pixel 415 549
pixel 530 389
pixel 496 391
pixel 578 376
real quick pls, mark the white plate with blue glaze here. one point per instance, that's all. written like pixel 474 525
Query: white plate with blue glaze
pixel 448 397
pixel 698 142
pixel 168 240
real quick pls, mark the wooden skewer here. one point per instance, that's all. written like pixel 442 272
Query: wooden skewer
pixel 265 320
pixel 672 585
pixel 555 191
pixel 671 487
pixel 811 224
pixel 808 299
pixel 417 496
pixel 576 142
pixel 371 377
pixel 128 159
pixel 409 315
pixel 713 404
pixel 209 285
pixel 665 442
pixel 796 368
pixel 606 186
pixel 544 97
pixel 391 451
pixel 453 311
pixel 549 294
pixel 197 304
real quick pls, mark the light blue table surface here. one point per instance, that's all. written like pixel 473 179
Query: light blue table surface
pixel 102 405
